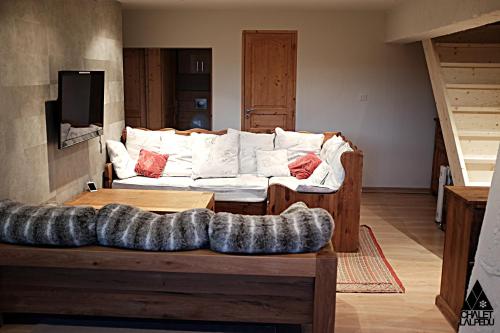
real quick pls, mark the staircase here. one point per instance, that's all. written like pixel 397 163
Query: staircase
pixel 465 80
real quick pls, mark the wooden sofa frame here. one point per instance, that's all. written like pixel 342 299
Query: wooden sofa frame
pixel 344 204
pixel 195 285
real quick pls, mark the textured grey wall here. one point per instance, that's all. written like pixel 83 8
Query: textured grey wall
pixel 37 39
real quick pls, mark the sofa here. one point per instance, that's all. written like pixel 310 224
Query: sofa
pixel 62 260
pixel 336 186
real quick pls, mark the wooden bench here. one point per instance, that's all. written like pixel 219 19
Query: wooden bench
pixel 192 285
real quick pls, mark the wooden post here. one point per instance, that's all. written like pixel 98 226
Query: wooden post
pixel 325 291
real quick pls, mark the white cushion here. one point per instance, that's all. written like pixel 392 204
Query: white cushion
pixel 331 153
pixel 244 188
pixel 215 156
pixel 149 140
pixel 330 147
pixel 249 144
pixel 298 144
pixel 162 183
pixel 272 163
pixel 122 163
pixel 180 155
pixel 301 185
pixel 320 174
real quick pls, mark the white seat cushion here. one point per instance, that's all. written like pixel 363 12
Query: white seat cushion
pixel 162 183
pixel 244 188
pixel 301 185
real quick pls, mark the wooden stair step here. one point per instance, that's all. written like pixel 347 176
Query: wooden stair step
pixel 470 64
pixel 479 86
pixel 482 45
pixel 477 135
pixel 468 52
pixel 481 184
pixel 476 109
pixel 480 159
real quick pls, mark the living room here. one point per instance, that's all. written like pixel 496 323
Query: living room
pixel 350 107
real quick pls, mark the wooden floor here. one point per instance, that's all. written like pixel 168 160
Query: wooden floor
pixel 404 226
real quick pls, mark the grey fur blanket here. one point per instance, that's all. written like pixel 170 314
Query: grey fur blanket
pixel 130 227
pixel 297 229
pixel 46 224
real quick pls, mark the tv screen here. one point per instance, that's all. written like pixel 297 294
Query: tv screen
pixel 81 103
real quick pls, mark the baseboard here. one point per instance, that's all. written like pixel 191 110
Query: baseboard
pixel 400 190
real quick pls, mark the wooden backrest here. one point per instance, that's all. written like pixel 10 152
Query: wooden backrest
pixel 328 135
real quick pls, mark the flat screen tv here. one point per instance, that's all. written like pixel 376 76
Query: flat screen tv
pixel 81 106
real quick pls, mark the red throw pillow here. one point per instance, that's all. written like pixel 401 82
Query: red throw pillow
pixel 304 166
pixel 150 164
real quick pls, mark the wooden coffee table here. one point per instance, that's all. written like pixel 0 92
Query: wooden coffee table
pixel 150 200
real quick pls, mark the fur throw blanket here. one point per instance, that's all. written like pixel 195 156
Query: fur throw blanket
pixel 297 229
pixel 46 224
pixel 129 227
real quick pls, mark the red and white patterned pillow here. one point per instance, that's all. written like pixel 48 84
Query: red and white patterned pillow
pixel 150 164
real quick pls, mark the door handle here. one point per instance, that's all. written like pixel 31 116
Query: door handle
pixel 247 112
pixel 202 67
pixel 197 66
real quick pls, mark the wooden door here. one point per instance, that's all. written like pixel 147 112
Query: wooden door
pixel 154 89
pixel 169 82
pixel 269 80
pixel 135 87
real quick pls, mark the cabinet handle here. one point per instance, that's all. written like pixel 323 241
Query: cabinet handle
pixel 197 66
pixel 202 70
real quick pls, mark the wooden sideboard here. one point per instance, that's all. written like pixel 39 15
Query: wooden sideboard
pixel 465 207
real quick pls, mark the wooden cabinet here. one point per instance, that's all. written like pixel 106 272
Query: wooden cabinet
pixel 194 89
pixel 465 207
pixel 143 71
pixel 195 61
pixel 149 87
pixel 168 88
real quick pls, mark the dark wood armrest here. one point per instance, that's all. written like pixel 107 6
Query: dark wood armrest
pixel 348 203
pixel 107 179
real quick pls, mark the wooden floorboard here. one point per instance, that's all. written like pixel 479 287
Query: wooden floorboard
pixel 404 226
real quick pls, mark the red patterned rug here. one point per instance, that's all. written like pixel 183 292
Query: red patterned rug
pixel 367 271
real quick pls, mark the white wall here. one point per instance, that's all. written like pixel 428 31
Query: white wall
pixel 340 56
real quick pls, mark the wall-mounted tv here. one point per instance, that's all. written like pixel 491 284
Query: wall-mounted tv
pixel 81 106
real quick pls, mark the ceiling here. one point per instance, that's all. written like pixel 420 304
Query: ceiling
pixel 260 4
